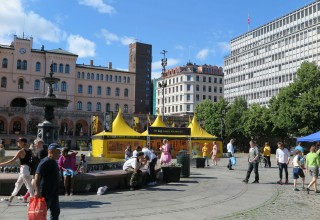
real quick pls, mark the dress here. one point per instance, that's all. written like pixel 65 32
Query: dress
pixel 214 152
pixel 165 155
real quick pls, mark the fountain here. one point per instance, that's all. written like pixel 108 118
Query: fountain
pixel 47 131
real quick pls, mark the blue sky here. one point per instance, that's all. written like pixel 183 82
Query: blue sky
pixel 101 30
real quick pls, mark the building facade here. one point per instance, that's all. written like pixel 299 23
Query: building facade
pixel 92 90
pixel 187 86
pixel 264 60
pixel 140 61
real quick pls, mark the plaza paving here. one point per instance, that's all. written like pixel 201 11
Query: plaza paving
pixel 209 193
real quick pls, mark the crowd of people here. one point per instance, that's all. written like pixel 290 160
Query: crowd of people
pixel 40 170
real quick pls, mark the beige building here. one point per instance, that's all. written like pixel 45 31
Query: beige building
pixel 92 90
pixel 186 86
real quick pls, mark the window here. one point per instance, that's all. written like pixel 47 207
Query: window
pixel 3 82
pixel 24 65
pixel 60 68
pixel 188 108
pixel 101 76
pixel 117 107
pixel 98 108
pixel 124 79
pixel 79 105
pixel 117 92
pixel 188 97
pixel 108 107
pixel 125 108
pixel 80 89
pixel 89 89
pixel 204 79
pixel 204 88
pixel 119 79
pixel 82 75
pixel 197 97
pixel 116 78
pixel 37 84
pixel 126 92
pixel 188 77
pixel 99 90
pixel 78 75
pixel 110 78
pixel 108 91
pixel 63 86
pixel 197 78
pixel 188 87
pixel 197 88
pixel 20 84
pixel 88 75
pixel 56 87
pixel 38 67
pixel 128 79
pixel 97 76
pixel 5 63
pixel 92 76
pixel 67 68
pixel 54 67
pixel 89 106
pixel 19 64
pixel 107 78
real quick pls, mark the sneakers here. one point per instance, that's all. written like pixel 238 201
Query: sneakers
pixel 256 181
pixel 132 189
pixel 286 182
pixel 296 189
pixel 20 198
pixel 308 190
pixel 152 183
pixel 280 182
pixel 245 181
pixel 303 188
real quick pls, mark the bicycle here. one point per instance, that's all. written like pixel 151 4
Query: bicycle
pixel 263 161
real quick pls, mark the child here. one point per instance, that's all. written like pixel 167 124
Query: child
pixel 82 168
pixel 297 170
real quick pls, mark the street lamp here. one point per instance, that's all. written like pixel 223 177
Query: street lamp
pixel 163 84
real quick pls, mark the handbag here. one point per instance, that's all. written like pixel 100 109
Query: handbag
pixel 233 161
pixel 37 209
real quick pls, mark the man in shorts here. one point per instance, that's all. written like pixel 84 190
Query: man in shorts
pixel 297 170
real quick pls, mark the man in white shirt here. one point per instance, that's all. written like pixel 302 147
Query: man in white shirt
pixel 133 166
pixel 230 150
pixel 283 159
pixel 152 163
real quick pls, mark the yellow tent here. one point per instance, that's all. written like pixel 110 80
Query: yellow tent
pixel 113 144
pixel 199 136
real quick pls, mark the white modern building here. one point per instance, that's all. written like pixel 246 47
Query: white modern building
pixel 266 59
pixel 186 86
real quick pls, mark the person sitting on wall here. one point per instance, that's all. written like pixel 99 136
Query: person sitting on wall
pixel 133 165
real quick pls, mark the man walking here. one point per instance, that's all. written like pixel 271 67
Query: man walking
pixel 283 158
pixel 46 182
pixel 253 159
pixel 230 150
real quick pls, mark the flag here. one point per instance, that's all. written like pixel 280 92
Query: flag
pixel 149 121
pixel 136 120
pixel 190 120
pixel 248 19
pixel 94 125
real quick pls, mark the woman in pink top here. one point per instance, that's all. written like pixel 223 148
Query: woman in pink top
pixel 214 153
pixel 165 155
pixel 67 164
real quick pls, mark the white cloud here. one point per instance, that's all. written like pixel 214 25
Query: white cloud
pixel 110 37
pixel 99 5
pixel 81 46
pixel 224 47
pixel 202 54
pixel 14 20
pixel 180 47
pixel 127 40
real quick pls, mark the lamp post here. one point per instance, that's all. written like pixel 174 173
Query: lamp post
pixel 164 83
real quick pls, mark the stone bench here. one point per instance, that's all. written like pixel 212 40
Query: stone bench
pixel 88 182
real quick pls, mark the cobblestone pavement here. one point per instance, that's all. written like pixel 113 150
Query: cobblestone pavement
pixel 209 193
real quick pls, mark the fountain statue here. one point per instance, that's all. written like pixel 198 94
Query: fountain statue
pixel 47 130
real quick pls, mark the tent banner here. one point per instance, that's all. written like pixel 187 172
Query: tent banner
pixel 108 121
pixel 169 131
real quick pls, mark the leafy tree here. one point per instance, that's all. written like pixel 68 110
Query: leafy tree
pixel 296 109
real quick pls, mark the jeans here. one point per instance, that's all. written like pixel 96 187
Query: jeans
pixel 152 165
pixel 253 166
pixel 230 164
pixel 53 205
pixel 281 167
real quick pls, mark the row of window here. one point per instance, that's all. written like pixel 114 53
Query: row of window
pixel 174 99
pixel 257 95
pixel 99 90
pixel 90 76
pixel 23 65
pixel 189 88
pixel 98 107
pixel 175 109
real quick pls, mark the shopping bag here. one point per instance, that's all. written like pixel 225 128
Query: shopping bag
pixel 37 209
pixel 233 161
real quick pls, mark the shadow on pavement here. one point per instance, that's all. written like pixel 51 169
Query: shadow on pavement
pixel 81 204
pixel 167 190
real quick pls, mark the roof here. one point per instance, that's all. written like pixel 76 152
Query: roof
pixel 120 128
pixel 61 51
pixel 197 131
pixel 157 123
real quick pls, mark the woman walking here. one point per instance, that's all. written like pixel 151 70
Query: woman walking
pixel 312 166
pixel 165 155
pixel 214 154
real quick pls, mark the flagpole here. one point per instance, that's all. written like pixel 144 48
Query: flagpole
pixel 248 22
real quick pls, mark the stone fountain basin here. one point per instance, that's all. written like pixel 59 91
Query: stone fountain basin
pixel 49 102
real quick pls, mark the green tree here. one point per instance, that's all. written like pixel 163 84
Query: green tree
pixel 295 111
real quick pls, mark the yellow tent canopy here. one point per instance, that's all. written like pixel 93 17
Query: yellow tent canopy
pixel 197 131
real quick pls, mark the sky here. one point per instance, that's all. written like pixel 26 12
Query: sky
pixel 198 31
